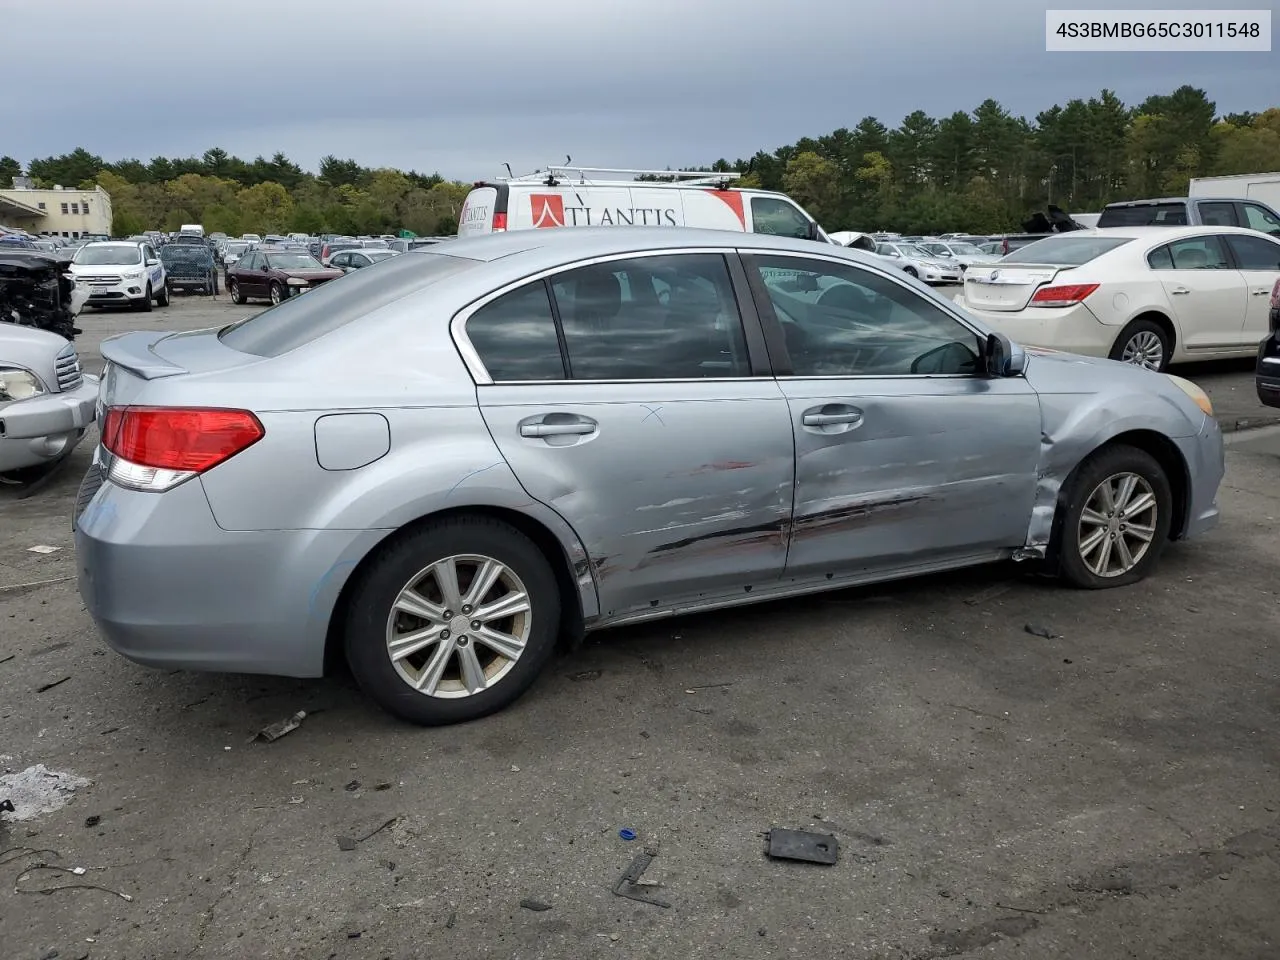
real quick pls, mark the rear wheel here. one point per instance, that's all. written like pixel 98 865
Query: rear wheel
pixel 236 296
pixel 277 292
pixel 162 298
pixel 453 621
pixel 1115 518
pixel 1143 343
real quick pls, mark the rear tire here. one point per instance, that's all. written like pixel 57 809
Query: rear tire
pixel 463 545
pixel 1113 539
pixel 162 298
pixel 1143 343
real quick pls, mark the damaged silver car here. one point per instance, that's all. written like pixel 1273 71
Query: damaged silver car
pixel 443 467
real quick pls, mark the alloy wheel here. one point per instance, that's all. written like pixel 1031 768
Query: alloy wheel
pixel 458 627
pixel 1117 525
pixel 1144 349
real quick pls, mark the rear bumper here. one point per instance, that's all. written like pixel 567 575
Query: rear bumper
pixel 169 588
pixel 1205 457
pixel 1068 329
pixel 45 428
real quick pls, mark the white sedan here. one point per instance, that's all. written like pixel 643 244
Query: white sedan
pixel 1150 296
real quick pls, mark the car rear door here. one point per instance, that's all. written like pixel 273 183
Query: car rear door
pixel 1204 290
pixel 906 459
pixel 625 397
pixel 1258 259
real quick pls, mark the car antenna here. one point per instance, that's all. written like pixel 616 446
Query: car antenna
pixel 509 173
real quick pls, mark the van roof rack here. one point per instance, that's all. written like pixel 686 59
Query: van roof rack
pixel 555 172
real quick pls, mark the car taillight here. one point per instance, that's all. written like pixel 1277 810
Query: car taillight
pixel 1063 296
pixel 156 448
pixel 499 223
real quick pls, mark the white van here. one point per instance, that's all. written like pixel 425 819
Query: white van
pixel 191 230
pixel 567 197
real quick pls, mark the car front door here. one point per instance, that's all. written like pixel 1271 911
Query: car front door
pixel 246 274
pixel 779 218
pixel 907 459
pixel 626 398
pixel 1204 290
pixel 1258 259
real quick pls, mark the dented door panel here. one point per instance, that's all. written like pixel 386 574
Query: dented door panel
pixel 677 489
pixel 929 469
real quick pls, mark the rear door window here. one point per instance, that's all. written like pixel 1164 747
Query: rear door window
pixel 1219 214
pixel 652 318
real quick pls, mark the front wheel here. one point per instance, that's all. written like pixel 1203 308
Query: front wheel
pixel 911 272
pixel 1143 343
pixel 145 303
pixel 236 296
pixel 277 292
pixel 1115 516
pixel 453 621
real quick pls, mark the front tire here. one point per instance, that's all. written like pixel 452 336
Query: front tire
pixel 1143 343
pixel 452 621
pixel 1114 519
pixel 236 296
pixel 911 272
pixel 277 293
pixel 144 304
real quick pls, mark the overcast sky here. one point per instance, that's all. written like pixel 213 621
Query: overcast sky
pixel 459 87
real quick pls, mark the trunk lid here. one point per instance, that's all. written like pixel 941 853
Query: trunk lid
pixel 1005 287
pixel 134 359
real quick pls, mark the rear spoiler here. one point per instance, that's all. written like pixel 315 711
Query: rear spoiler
pixel 133 352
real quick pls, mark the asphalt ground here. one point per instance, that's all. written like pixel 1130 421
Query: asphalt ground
pixel 1110 792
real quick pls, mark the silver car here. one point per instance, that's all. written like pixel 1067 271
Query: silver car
pixel 442 467
pixel 918 262
pixel 964 253
pixel 46 403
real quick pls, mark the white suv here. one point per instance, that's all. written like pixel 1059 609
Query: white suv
pixel 121 272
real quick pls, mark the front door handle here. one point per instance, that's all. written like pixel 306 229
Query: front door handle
pixel 1179 291
pixel 1261 292
pixel 558 428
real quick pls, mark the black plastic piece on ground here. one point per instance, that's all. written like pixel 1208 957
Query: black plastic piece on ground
pixel 801 845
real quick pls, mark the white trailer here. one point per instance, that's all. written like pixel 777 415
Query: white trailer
pixel 1263 187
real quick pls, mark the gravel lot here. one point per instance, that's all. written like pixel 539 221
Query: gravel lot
pixel 1113 792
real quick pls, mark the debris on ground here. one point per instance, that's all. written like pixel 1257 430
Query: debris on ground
pixel 585 675
pixel 626 833
pixel 32 584
pixel 537 906
pixel 50 685
pixel 629 884
pixel 38 790
pixel 346 844
pixel 43 548
pixel 1038 631
pixel 990 593
pixel 75 885
pixel 802 845
pixel 92 821
pixel 275 731
pixel 352 787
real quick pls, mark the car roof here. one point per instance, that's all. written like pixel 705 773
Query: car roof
pixel 1149 232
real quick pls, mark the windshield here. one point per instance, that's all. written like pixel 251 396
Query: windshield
pixel 911 250
pixel 374 244
pixel 293 261
pixel 236 248
pixel 1066 250
pixel 114 255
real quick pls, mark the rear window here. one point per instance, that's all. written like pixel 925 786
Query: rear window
pixel 300 320
pixel 1145 215
pixel 1065 250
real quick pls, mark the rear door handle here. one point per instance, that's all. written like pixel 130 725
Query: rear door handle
pixel 826 419
pixel 1261 292
pixel 577 427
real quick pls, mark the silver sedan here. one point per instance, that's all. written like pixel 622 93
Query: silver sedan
pixel 443 467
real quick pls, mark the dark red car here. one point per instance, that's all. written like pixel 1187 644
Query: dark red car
pixel 276 275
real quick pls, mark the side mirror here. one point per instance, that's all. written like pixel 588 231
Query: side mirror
pixel 1000 358
pixel 815 232
pixel 153 262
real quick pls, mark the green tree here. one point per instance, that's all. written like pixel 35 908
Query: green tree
pixel 813 181
pixel 265 207
pixel 9 168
